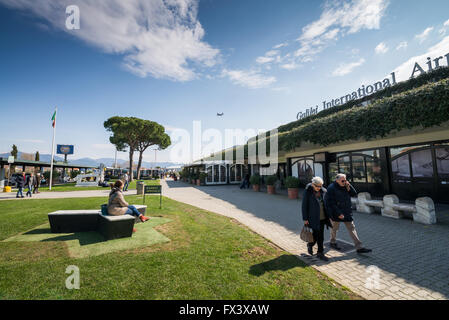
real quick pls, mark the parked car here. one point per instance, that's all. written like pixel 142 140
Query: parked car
pixel 13 179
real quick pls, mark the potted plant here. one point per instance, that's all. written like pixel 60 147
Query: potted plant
pixel 255 181
pixel 271 180
pixel 197 179
pixel 203 177
pixel 292 184
pixel 194 178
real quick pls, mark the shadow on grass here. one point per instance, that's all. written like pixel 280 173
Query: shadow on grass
pixel 283 263
pixel 84 238
pixel 38 231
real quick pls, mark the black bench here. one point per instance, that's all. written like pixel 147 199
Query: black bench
pixel 111 227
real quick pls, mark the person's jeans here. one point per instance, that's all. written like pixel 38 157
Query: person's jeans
pixel 133 211
pixel 125 187
pixel 20 191
pixel 30 190
pixel 351 230
pixel 318 237
pixel 244 183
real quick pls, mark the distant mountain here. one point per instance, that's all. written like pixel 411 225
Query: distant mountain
pixel 108 162
pixel 42 157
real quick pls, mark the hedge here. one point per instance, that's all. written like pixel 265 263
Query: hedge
pixel 426 78
pixel 425 106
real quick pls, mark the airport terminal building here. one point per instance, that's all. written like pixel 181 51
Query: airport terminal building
pixel 394 141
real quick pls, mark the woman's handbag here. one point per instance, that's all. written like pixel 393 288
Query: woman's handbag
pixel 306 234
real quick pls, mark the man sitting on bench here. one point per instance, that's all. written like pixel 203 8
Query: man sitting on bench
pixel 117 205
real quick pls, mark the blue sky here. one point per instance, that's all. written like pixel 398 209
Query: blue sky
pixel 178 61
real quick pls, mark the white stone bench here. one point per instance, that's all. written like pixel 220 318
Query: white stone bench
pixel 423 210
pixel 366 204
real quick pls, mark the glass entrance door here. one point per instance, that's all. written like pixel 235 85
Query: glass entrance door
pixel 216 174
pixel 235 173
pixel 413 173
pixel 442 164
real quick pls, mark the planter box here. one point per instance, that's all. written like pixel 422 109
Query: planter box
pixel 293 193
pixel 271 189
pixel 256 187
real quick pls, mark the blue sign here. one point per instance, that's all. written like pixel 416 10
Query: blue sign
pixel 64 149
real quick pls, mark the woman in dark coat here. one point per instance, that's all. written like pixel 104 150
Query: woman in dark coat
pixel 315 215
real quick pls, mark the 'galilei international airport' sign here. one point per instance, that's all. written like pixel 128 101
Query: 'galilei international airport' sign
pixel 364 91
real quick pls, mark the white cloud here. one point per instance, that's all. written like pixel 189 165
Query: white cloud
pixel 289 66
pixel 263 60
pixel 272 53
pixel 250 79
pixel 402 45
pixel 444 29
pixel 270 56
pixel 337 20
pixel 278 46
pixel 346 68
pixel 161 38
pixel 423 35
pixel 404 71
pixel 381 48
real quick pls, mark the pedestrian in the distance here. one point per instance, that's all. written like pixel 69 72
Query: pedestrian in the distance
pixel 338 203
pixel 20 183
pixel 37 183
pixel 29 184
pixel 245 182
pixel 125 182
pixel 315 215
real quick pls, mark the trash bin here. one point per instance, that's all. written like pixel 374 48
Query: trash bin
pixel 140 185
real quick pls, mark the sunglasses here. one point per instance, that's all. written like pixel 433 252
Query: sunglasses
pixel 316 186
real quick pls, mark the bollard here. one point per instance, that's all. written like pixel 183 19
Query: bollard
pixel 389 210
pixel 425 211
pixel 361 205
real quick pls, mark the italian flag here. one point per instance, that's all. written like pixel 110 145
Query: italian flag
pixel 53 119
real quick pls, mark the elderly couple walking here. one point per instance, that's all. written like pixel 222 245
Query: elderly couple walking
pixel 321 207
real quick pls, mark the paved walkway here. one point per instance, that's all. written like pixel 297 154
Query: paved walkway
pixel 62 194
pixel 409 260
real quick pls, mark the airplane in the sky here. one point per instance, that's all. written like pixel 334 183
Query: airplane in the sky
pixel 220 114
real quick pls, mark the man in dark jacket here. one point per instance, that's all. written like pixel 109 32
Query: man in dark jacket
pixel 315 215
pixel 339 206
pixel 20 183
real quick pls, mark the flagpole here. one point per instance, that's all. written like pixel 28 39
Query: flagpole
pixel 53 149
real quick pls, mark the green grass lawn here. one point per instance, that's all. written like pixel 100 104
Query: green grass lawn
pixel 202 256
pixel 71 186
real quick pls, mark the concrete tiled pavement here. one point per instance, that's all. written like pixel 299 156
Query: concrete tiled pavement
pixel 409 260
